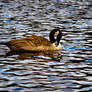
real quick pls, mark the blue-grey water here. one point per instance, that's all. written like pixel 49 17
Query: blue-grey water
pixel 69 70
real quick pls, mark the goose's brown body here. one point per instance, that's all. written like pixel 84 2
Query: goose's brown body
pixel 32 43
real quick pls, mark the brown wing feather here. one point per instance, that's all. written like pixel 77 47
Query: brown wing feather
pixel 38 41
pixel 30 43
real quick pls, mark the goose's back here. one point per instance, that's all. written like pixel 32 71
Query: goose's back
pixel 31 43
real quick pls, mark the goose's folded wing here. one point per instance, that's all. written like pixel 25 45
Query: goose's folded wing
pixel 30 42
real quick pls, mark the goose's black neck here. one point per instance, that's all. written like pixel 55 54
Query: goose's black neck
pixel 52 38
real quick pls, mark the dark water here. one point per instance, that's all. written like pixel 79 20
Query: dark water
pixel 70 70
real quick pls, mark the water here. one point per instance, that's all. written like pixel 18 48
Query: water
pixel 69 70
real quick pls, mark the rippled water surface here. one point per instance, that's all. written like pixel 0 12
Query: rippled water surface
pixel 69 70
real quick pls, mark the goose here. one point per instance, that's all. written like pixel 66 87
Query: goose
pixel 37 43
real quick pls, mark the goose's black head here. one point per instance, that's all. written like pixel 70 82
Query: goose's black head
pixel 55 36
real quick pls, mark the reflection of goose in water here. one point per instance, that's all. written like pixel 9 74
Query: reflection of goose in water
pixel 37 43
pixel 44 56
